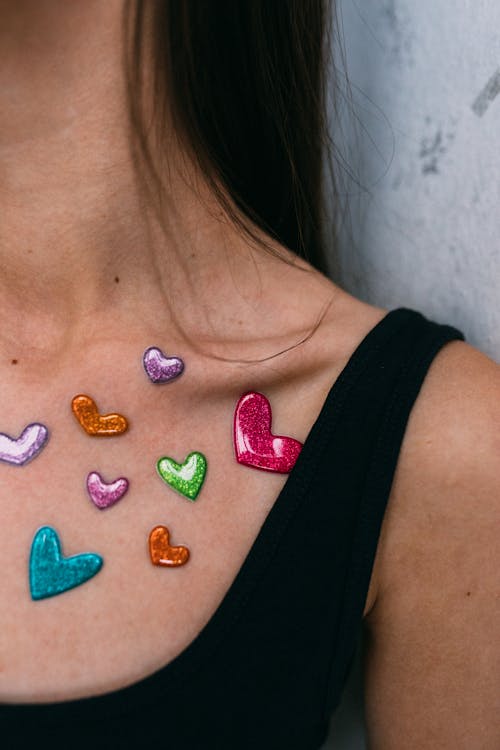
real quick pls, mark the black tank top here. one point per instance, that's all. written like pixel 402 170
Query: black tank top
pixel 269 667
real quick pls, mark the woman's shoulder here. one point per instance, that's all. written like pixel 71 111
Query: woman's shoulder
pixel 449 457
pixel 434 614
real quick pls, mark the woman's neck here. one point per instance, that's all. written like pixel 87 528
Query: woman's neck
pixel 63 157
pixel 73 221
pixel 80 250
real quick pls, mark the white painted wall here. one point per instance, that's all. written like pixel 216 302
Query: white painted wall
pixel 421 136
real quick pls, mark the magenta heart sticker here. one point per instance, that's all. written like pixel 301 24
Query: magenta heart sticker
pixel 254 443
pixel 160 368
pixel 28 445
pixel 105 495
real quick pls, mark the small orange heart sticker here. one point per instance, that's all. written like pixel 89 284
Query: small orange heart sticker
pixel 161 551
pixel 85 410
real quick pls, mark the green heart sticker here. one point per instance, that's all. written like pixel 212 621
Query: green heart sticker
pixel 187 477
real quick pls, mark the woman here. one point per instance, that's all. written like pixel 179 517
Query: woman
pixel 171 571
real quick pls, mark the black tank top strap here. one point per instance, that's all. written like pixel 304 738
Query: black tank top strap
pixel 366 446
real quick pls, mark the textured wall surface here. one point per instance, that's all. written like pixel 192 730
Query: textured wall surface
pixel 422 137
pixel 420 134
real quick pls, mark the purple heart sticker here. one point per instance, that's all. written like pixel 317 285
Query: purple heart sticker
pixel 22 449
pixel 160 368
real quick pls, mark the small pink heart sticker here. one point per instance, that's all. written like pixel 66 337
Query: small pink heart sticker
pixel 105 495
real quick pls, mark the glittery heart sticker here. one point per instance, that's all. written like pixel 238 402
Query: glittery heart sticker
pixel 186 478
pixel 51 573
pixel 105 495
pixel 85 410
pixel 161 551
pixel 254 443
pixel 159 368
pixel 22 449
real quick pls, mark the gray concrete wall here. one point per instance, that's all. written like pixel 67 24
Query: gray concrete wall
pixel 420 134
pixel 423 140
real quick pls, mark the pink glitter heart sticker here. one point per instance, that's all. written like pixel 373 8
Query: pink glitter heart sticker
pixel 254 443
pixel 160 368
pixel 28 445
pixel 105 495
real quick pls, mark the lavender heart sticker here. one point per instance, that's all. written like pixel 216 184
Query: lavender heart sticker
pixel 160 368
pixel 102 494
pixel 19 451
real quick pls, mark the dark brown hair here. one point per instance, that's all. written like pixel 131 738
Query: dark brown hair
pixel 246 94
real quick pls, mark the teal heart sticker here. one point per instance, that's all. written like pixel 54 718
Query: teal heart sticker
pixel 51 573
pixel 187 478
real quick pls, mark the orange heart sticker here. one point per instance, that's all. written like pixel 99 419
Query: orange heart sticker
pixel 85 410
pixel 161 551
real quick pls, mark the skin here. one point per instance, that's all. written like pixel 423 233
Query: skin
pixel 73 220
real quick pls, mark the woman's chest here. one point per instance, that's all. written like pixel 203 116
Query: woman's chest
pixel 116 548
